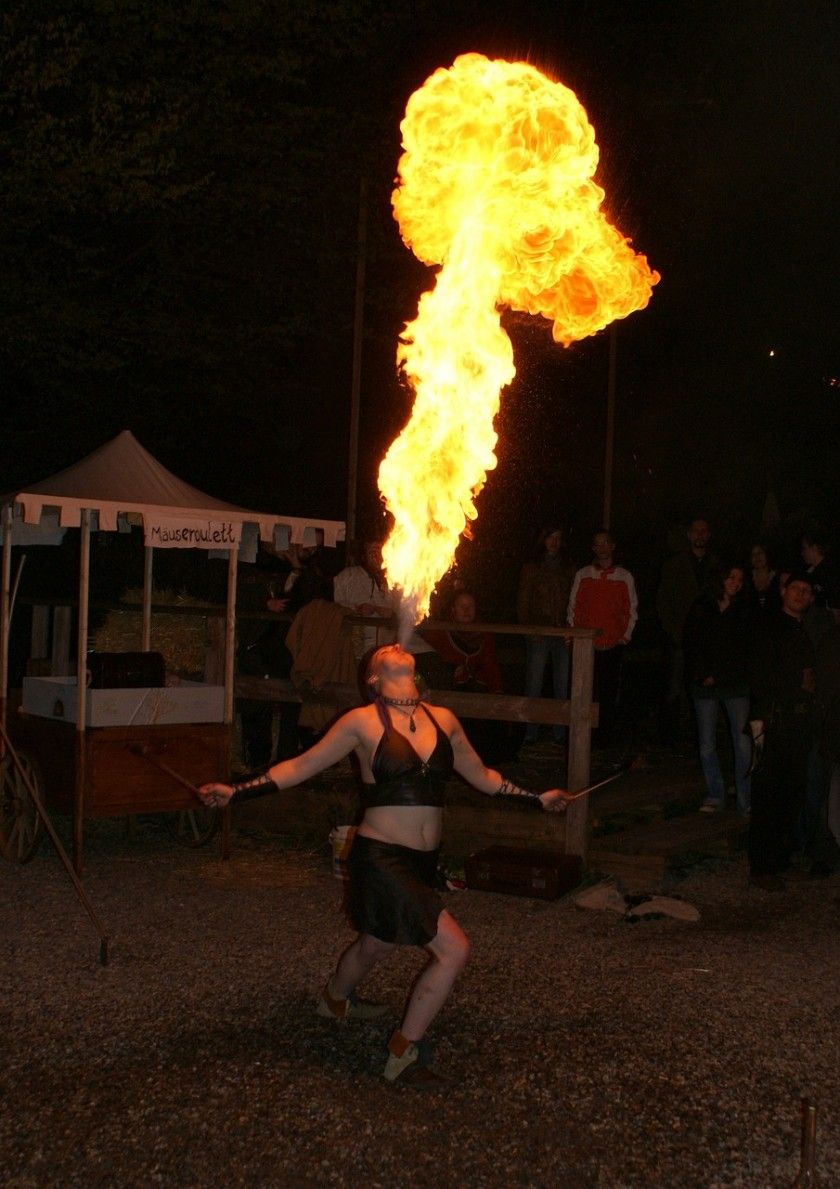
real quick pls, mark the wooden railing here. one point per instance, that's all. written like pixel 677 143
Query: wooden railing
pixel 50 652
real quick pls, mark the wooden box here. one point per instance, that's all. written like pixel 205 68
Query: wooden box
pixel 540 874
pixel 188 702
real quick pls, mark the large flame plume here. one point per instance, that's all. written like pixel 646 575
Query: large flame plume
pixel 496 186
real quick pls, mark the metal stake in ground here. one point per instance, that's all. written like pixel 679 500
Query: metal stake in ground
pixel 62 854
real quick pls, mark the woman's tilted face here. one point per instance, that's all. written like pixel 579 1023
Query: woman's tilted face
pixel 390 664
pixel 733 582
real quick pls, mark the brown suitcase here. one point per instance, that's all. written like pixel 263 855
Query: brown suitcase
pixel 541 874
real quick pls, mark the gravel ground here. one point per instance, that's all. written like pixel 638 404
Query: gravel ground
pixel 582 1051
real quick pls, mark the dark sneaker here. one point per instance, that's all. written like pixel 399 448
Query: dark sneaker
pixel 351 1008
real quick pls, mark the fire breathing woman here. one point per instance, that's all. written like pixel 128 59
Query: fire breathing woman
pixel 407 751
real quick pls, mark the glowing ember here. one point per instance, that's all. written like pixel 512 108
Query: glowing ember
pixel 495 185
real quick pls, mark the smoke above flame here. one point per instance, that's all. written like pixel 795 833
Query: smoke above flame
pixel 496 187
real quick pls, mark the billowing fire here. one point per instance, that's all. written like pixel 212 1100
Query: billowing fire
pixel 495 186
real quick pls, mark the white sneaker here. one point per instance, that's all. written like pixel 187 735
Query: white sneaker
pixel 602 896
pixel 664 906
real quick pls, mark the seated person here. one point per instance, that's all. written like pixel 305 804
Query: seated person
pixel 471 655
pixel 471 660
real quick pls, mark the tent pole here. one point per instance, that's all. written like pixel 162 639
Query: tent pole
pixel 81 689
pixel 230 646
pixel 5 609
pixel 230 632
pixel 147 599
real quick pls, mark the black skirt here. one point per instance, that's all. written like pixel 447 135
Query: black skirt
pixel 391 892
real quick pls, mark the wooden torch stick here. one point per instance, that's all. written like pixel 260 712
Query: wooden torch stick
pixel 142 749
pixel 599 784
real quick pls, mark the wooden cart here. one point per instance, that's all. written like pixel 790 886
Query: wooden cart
pixel 109 771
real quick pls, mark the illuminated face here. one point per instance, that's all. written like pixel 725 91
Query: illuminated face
pixel 733 582
pixel 698 534
pixel 603 546
pixel 797 597
pixel 463 609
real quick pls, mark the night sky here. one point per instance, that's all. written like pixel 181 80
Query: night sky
pixel 211 306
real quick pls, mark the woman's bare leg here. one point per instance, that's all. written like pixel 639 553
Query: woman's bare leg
pixel 358 960
pixel 449 951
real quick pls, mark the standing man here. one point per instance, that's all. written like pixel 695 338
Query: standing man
pixel 815 555
pixel 361 587
pixel 604 596
pixel 364 590
pixel 684 577
pixel 782 722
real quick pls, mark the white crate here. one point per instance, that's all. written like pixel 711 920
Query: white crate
pixel 187 702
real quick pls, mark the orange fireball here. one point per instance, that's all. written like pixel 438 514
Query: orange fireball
pixel 495 186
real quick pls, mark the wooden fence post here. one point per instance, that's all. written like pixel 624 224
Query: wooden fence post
pixel 577 815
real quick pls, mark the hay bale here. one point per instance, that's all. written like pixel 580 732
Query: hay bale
pixel 182 639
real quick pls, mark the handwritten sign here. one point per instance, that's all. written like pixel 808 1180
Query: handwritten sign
pixel 164 532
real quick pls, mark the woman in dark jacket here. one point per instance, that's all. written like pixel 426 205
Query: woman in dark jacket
pixel 545 583
pixel 716 642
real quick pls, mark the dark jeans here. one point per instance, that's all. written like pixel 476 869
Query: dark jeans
pixel 778 794
pixel 607 685
pixel 539 652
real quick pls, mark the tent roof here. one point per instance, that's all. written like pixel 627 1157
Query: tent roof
pixel 123 477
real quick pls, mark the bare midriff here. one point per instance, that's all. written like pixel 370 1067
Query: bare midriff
pixel 417 826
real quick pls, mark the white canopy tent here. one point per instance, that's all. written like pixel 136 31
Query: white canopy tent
pixel 116 485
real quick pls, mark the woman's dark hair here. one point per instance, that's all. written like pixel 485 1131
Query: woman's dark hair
pixel 768 553
pixel 818 537
pixel 721 572
pixel 538 552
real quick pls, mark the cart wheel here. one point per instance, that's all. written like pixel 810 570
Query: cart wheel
pixel 21 829
pixel 193 827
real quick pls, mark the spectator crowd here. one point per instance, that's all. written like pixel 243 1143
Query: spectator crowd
pixel 750 643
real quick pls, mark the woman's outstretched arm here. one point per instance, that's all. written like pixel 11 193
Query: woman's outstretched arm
pixel 338 742
pixel 469 764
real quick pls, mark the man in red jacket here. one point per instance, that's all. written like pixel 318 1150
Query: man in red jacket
pixel 604 596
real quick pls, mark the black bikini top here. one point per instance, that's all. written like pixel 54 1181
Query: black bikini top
pixel 401 777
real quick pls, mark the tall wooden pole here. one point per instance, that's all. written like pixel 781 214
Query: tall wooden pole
pixel 81 692
pixel 5 608
pixel 609 449
pixel 148 565
pixel 356 379
pixel 580 724
pixel 230 633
